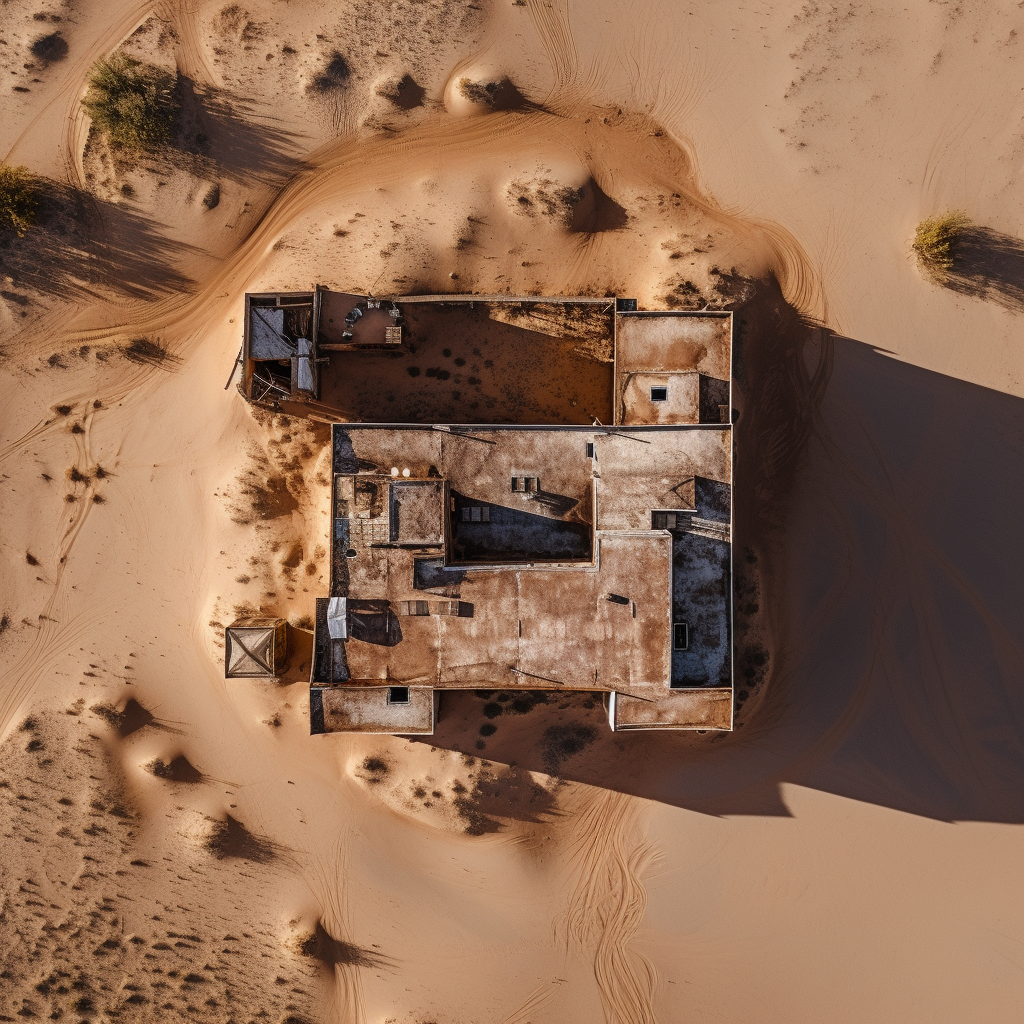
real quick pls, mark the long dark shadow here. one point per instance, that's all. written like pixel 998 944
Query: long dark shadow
pixel 989 265
pixel 82 247
pixel 899 674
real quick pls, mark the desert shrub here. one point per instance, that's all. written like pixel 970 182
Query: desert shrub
pixel 17 199
pixel 335 74
pixel 50 48
pixel 131 102
pixel 935 240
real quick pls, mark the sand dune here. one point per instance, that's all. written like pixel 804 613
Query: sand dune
pixel 177 845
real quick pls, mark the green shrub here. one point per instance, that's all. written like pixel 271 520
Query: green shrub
pixel 17 199
pixel 935 240
pixel 131 102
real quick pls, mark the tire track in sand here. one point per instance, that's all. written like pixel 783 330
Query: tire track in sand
pixel 57 628
pixel 535 1001
pixel 607 904
pixel 551 20
pixel 64 106
pixel 328 879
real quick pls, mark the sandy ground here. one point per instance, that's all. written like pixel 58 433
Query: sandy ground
pixel 176 846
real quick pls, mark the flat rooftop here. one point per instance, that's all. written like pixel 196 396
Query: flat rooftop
pixel 526 492
pixel 532 558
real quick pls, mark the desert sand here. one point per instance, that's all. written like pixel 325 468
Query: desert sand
pixel 176 846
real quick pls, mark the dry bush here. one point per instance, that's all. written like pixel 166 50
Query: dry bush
pixel 17 199
pixel 935 241
pixel 131 102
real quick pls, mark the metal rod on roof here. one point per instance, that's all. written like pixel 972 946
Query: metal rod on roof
pixel 608 432
pixel 459 433
pixel 533 675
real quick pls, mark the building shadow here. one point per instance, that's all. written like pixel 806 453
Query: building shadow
pixel 989 265
pixel 898 678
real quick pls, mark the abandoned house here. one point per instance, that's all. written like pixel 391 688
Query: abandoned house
pixel 582 547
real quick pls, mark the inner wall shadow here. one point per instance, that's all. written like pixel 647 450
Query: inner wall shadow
pixel 902 667
pixel 989 265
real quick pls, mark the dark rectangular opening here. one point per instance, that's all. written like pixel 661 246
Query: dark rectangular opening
pixel 498 534
pixel 659 394
pixel 398 694
pixel 680 636
pixel 590 449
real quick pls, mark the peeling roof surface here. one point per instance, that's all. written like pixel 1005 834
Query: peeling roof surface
pixel 539 557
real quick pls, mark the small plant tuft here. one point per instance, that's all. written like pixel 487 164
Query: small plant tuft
pixel 935 241
pixel 17 199
pixel 131 102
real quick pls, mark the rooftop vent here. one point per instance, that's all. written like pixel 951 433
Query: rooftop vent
pixel 413 608
pixel 398 694
pixel 659 394
pixel 680 636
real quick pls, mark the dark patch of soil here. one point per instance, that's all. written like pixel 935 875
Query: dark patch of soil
pixel 331 951
pixel 230 838
pixel 50 48
pixel 178 769
pixel 564 741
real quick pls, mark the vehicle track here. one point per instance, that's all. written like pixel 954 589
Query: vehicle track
pixel 189 53
pixel 64 106
pixel 328 878
pixel 551 20
pixel 337 171
pixel 535 1002
pixel 607 904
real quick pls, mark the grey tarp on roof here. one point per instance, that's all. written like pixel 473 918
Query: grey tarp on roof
pixel 337 618
pixel 250 651
pixel 305 367
pixel 266 334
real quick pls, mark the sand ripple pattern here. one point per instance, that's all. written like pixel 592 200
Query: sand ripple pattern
pixel 608 902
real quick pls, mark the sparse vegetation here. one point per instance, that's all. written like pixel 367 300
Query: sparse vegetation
pixel 935 241
pixel 230 838
pixel 132 103
pixel 50 48
pixel 153 353
pixel 17 199
pixel 335 74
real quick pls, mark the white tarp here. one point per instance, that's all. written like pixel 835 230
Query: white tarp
pixel 305 368
pixel 337 618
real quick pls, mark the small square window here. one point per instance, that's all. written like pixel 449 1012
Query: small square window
pixel 659 394
pixel 590 449
pixel 398 694
pixel 680 636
